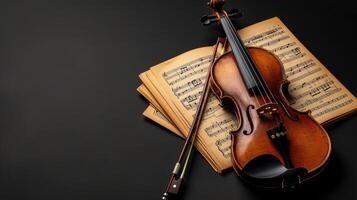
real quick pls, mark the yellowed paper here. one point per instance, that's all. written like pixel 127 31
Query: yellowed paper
pixel 178 82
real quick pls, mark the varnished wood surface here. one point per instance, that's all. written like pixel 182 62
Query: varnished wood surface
pixel 309 144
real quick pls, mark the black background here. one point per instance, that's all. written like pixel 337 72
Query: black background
pixel 71 124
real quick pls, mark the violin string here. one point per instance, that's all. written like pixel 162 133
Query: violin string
pixel 234 36
pixel 264 86
pixel 254 94
pixel 247 59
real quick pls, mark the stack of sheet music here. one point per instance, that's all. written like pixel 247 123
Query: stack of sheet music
pixel 173 89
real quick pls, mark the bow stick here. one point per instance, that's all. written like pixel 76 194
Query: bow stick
pixel 178 173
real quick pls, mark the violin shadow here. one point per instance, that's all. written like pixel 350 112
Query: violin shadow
pixel 321 186
pixel 338 123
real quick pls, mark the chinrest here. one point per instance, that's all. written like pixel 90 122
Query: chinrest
pixel 267 168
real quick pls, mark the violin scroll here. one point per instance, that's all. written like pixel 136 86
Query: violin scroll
pixel 216 5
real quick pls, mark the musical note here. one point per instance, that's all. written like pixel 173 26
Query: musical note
pixel 333 108
pixel 220 127
pixel 275 31
pixel 180 78
pixel 189 86
pixel 299 67
pixel 291 55
pixel 198 66
pixel 293 88
pixel 210 110
pixel 275 41
pixel 190 102
pixel 314 91
pixel 226 151
pixel 302 64
pixel 302 76
pixel 334 100
pixel 187 66
pixel 222 141
pixel 285 46
pixel 303 106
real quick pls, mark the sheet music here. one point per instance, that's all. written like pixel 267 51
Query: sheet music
pixel 186 82
pixel 182 83
pixel 177 85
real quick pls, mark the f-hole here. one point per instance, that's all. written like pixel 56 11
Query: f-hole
pixel 249 119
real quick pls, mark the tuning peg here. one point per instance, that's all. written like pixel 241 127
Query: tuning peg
pixel 234 13
pixel 209 19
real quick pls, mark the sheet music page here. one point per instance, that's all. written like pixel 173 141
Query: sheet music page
pixel 312 86
pixel 180 83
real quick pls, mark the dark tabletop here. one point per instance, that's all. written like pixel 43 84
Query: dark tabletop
pixel 71 124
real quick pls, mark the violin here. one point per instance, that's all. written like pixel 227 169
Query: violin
pixel 275 146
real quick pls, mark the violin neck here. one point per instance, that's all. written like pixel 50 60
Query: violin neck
pixel 243 59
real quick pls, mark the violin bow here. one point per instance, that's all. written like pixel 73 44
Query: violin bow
pixel 178 172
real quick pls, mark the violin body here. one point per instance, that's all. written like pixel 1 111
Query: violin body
pixel 265 152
